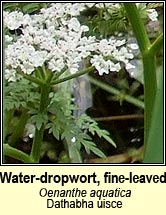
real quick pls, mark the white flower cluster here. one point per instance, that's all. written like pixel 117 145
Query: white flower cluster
pixel 111 53
pixel 56 38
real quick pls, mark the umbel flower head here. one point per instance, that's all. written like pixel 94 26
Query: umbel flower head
pixel 56 38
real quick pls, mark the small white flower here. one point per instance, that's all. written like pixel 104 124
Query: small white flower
pixel 100 64
pixel 74 24
pixel 133 46
pixel 74 9
pixel 8 39
pixel 129 66
pixel 152 14
pixel 129 55
pixel 84 28
pixel 120 42
pixel 27 67
pixel 10 75
pixel 73 68
pixel 55 65
pixel 115 67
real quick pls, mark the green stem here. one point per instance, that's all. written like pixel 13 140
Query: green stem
pixel 150 88
pixel 36 146
pixel 44 99
pixel 120 117
pixel 18 131
pixel 49 76
pixel 114 91
pixel 87 70
pixel 149 62
pixel 32 79
pixel 16 154
pixel 37 142
pixel 38 74
pixel 154 149
pixel 157 44
pixel 57 75
pixel 148 52
pixel 44 72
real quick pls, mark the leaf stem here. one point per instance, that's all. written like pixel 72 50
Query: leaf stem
pixel 57 75
pixel 150 88
pixel 120 117
pixel 16 154
pixel 37 142
pixel 32 79
pixel 87 70
pixel 115 91
pixel 157 44
pixel 36 146
pixel 44 102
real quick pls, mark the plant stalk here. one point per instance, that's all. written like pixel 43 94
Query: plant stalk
pixel 148 52
pixel 69 77
pixel 150 88
pixel 32 79
pixel 117 92
pixel 16 154
pixel 37 142
pixel 157 44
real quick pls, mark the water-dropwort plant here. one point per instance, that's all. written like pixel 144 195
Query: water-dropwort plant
pixel 43 51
